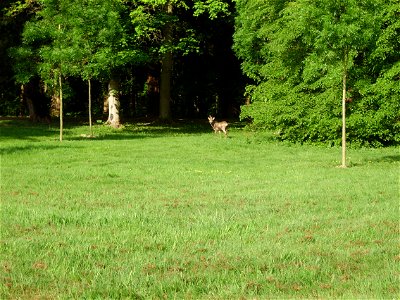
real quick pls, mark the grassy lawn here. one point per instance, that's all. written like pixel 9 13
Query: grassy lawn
pixel 176 212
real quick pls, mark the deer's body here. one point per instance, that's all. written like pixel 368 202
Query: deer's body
pixel 218 126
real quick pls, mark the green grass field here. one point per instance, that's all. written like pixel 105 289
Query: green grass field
pixel 176 212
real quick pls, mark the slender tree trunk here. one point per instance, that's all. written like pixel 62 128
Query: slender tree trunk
pixel 166 71
pixel 61 100
pixel 21 100
pixel 90 106
pixel 61 107
pixel 113 104
pixel 344 165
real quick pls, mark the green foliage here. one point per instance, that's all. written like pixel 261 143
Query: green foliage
pixel 85 38
pixel 149 18
pixel 376 116
pixel 24 66
pixel 294 51
pixel 13 8
pixel 214 8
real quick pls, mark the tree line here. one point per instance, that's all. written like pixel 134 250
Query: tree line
pixel 308 70
pixel 148 57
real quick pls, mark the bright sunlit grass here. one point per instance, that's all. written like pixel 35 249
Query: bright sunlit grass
pixel 177 212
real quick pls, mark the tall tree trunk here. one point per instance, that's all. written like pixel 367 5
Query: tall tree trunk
pixel 32 96
pixel 26 97
pixel 55 103
pixel 153 94
pixel 90 106
pixel 344 165
pixel 113 104
pixel 61 107
pixel 132 96
pixel 61 99
pixel 105 107
pixel 21 100
pixel 166 71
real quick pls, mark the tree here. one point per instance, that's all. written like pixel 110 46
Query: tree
pixel 103 46
pixel 345 32
pixel 21 88
pixel 47 42
pixel 375 117
pixel 158 23
pixel 300 54
pixel 107 40
pixel 89 41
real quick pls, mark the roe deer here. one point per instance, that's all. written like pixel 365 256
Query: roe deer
pixel 217 126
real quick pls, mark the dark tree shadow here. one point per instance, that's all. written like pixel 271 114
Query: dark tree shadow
pixel 377 159
pixel 388 158
pixel 25 130
pixel 31 147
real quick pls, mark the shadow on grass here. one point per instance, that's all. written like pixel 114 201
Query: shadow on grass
pixel 24 129
pixel 30 147
pixel 388 159
pixel 139 130
pixel 181 126
pixel 391 159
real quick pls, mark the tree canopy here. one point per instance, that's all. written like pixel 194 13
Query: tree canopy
pixel 309 69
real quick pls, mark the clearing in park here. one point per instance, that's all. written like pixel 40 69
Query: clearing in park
pixel 177 212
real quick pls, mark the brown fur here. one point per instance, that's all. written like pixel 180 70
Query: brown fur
pixel 218 126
